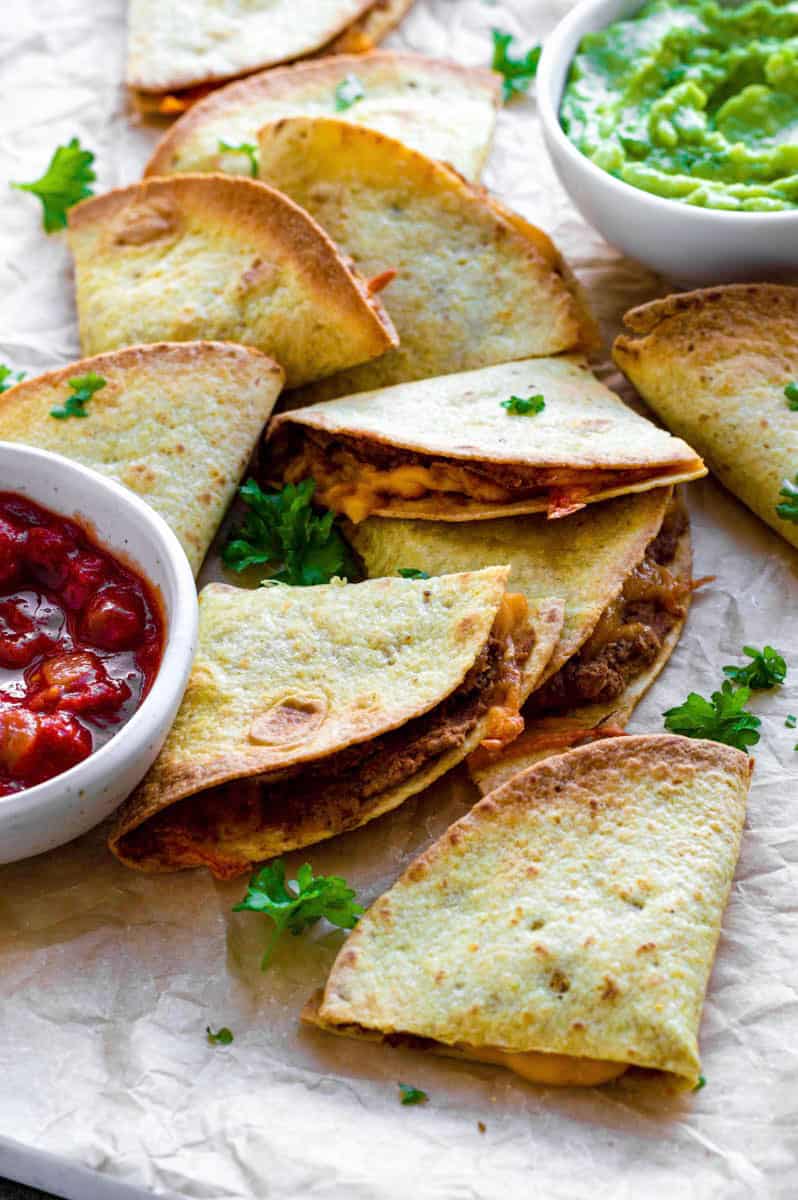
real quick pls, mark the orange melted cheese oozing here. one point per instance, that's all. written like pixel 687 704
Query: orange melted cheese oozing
pixel 503 722
pixel 557 1070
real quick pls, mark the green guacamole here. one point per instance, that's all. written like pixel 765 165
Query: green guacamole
pixel 694 101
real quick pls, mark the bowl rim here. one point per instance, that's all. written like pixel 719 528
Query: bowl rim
pixel 555 48
pixel 179 640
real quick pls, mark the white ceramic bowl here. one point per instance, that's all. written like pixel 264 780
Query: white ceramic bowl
pixel 60 809
pixel 689 244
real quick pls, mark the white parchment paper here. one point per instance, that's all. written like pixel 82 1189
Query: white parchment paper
pixel 108 978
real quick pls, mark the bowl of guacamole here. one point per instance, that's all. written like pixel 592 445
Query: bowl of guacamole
pixel 673 124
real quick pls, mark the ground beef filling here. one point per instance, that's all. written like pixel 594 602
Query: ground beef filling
pixel 629 634
pixel 333 460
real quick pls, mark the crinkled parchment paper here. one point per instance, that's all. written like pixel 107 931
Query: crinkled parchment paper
pixel 108 978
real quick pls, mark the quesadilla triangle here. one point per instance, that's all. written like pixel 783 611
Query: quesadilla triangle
pixel 449 449
pixel 174 46
pixel 311 711
pixel 175 422
pixel 623 569
pixel 714 365
pixel 369 30
pixel 221 257
pixel 475 284
pixel 440 108
pixel 566 927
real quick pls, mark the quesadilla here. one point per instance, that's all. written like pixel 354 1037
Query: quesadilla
pixel 475 284
pixel 566 927
pixel 440 108
pixel 220 257
pixel 714 366
pixel 623 570
pixel 368 31
pixel 450 448
pixel 311 711
pixel 173 45
pixel 175 423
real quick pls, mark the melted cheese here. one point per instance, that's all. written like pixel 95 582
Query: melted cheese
pixel 648 581
pixel 503 721
pixel 557 1070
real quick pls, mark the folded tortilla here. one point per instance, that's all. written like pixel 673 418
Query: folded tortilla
pixel 566 927
pixel 311 711
pixel 713 365
pixel 369 30
pixel 222 257
pixel 440 108
pixel 475 284
pixel 176 423
pixel 174 45
pixel 446 448
pixel 623 571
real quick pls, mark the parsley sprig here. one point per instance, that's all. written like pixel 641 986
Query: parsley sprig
pixel 64 183
pixel 788 508
pixel 281 531
pixel 348 92
pixel 223 1036
pixel 766 670
pixel 517 73
pixel 412 1095
pixel 412 573
pixel 83 388
pixel 248 148
pixel 299 903
pixel 724 718
pixel 791 395
pixel 8 377
pixel 524 406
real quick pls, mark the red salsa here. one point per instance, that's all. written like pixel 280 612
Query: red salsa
pixel 81 639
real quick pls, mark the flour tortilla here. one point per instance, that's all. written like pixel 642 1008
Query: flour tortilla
pixel 444 110
pixel 369 30
pixel 215 256
pixel 713 365
pixel 187 42
pixel 475 283
pixel 575 911
pixel 176 423
pixel 287 677
pixel 585 433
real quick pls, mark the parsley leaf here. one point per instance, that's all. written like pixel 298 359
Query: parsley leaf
pixel 788 509
pixel 412 1095
pixel 8 377
pixel 701 1083
pixel 768 669
pixel 299 903
pixel 524 406
pixel 724 719
pixel 65 181
pixel 791 721
pixel 83 388
pixel 791 395
pixel 348 92
pixel 282 531
pixel 518 72
pixel 248 148
pixel 223 1038
pixel 412 573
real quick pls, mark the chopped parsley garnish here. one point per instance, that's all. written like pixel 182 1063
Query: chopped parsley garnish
pixel 788 508
pixel 412 1095
pixel 348 92
pixel 83 388
pixel 766 670
pixel 65 181
pixel 299 903
pixel 8 377
pixel 248 148
pixel 517 73
pixel 701 1083
pixel 524 406
pixel 223 1038
pixel 282 531
pixel 412 573
pixel 791 395
pixel 723 719
pixel 791 721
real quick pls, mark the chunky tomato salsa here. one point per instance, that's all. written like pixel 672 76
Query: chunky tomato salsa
pixel 81 639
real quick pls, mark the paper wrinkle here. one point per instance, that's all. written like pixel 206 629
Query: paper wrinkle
pixel 108 978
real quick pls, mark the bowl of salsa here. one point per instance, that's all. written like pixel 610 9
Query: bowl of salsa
pixel 98 621
pixel 673 126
